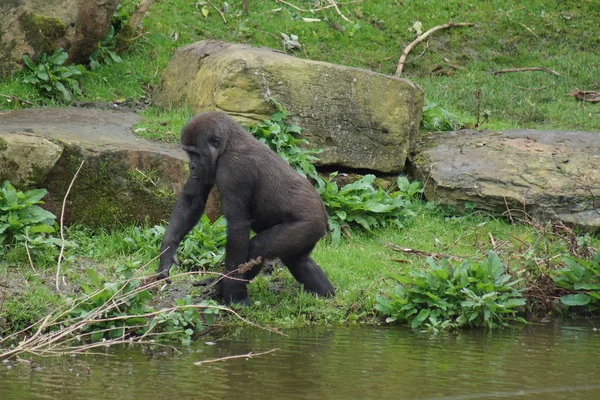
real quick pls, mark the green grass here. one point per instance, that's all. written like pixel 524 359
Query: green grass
pixel 565 38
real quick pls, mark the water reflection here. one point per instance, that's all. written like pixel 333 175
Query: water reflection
pixel 550 362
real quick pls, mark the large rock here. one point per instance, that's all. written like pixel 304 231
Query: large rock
pixel 549 174
pixel 124 179
pixel 361 119
pixel 34 27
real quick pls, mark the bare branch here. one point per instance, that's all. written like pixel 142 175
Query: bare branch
pixel 419 39
pixel 529 69
pixel 140 10
pixel 62 225
pixel 249 355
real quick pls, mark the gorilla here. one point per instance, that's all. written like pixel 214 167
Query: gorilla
pixel 259 192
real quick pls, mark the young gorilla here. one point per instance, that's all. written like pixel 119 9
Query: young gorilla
pixel 259 192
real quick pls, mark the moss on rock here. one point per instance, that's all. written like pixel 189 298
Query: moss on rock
pixel 41 31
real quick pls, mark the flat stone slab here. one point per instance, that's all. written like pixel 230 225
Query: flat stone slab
pixel 123 179
pixel 549 175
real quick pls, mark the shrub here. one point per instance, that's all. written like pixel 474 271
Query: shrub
pixel 581 278
pixel 452 295
pixel 282 139
pixel 21 219
pixel 436 119
pixel 362 205
pixel 52 78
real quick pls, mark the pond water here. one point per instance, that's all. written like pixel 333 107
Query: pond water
pixel 535 362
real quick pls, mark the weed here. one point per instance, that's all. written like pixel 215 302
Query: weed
pixel 52 78
pixel 452 295
pixel 581 278
pixel 105 54
pixel 281 138
pixel 22 221
pixel 361 205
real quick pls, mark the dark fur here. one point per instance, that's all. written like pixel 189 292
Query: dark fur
pixel 259 192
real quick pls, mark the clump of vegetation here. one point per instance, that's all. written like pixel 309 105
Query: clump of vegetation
pixel 204 246
pixel 53 79
pixel 121 308
pixel 22 221
pixel 437 119
pixel 282 139
pixel 105 53
pixel 362 205
pixel 453 294
pixel 581 278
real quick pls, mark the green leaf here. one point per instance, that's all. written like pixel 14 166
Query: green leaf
pixel 28 62
pixel 575 299
pixel 59 57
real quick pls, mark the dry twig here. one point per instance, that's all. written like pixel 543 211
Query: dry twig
pixel 529 69
pixel 219 11
pixel 249 355
pixel 422 253
pixel 337 10
pixel 55 333
pixel 419 39
pixel 62 226
pixel 585 95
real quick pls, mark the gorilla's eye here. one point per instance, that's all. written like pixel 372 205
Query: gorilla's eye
pixel 214 142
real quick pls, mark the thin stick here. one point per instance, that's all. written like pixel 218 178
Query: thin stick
pixel 424 36
pixel 528 30
pixel 423 253
pixel 62 233
pixel 28 253
pixel 528 69
pixel 291 5
pixel 249 355
pixel 219 11
pixel 337 10
pixel 492 241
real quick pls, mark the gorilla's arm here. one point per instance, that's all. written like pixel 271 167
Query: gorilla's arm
pixel 188 210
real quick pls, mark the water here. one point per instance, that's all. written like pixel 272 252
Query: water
pixel 548 362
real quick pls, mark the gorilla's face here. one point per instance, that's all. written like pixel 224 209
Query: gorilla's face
pixel 204 142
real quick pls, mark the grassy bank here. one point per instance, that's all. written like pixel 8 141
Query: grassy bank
pixel 451 66
pixel 454 64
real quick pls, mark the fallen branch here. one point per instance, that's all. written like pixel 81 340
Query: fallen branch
pixel 62 226
pixel 249 355
pixel 10 98
pixel 422 253
pixel 528 69
pixel 337 10
pixel 585 95
pixel 55 332
pixel 419 39
pixel 138 14
pixel 219 11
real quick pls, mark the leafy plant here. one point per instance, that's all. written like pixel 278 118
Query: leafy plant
pixel 436 119
pixel 123 308
pixel 582 279
pixel 52 78
pixel 362 205
pixel 283 139
pixel 452 295
pixel 204 246
pixel 21 219
pixel 105 54
pixel 186 320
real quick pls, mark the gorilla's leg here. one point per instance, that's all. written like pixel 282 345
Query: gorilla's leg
pixel 308 273
pixel 292 243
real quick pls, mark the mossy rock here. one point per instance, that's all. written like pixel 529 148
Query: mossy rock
pixel 123 179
